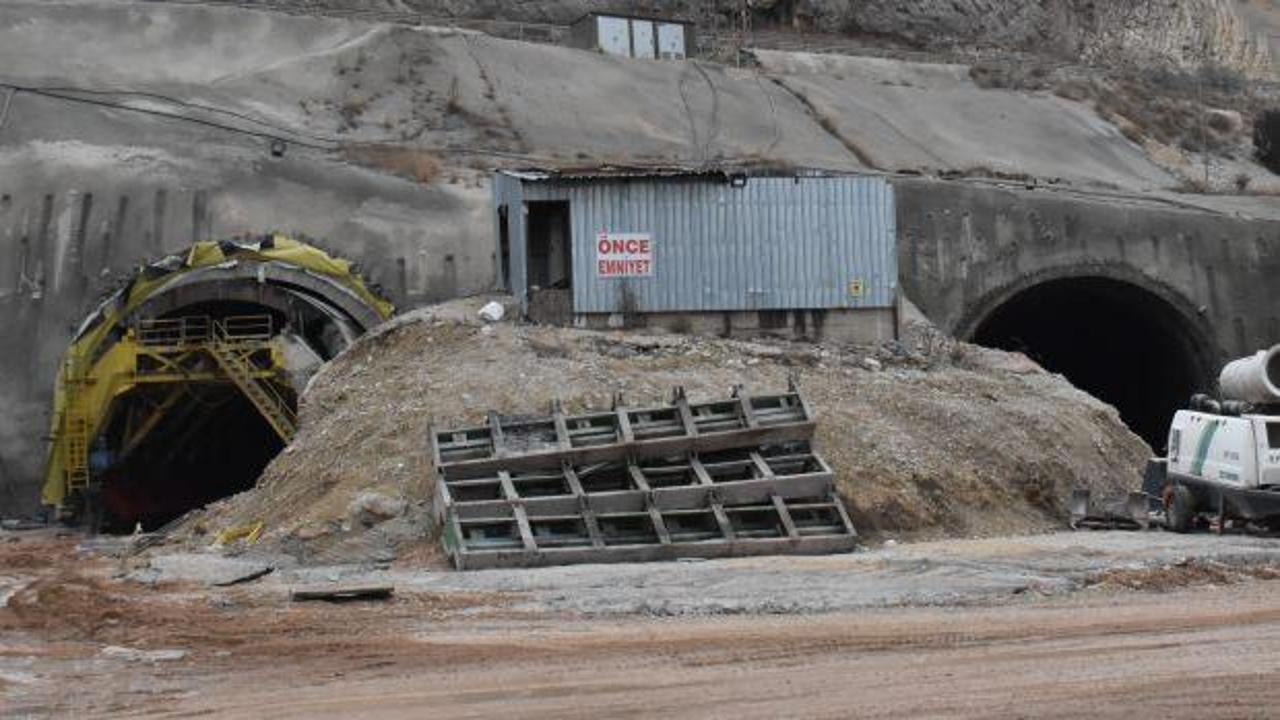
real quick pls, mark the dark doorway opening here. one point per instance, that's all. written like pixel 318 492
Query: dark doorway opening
pixel 1112 339
pixel 504 250
pixel 549 259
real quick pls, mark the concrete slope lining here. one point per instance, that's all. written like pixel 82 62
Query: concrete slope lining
pixel 932 118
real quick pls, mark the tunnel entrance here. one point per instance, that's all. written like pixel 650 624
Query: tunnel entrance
pixel 181 388
pixel 1115 340
pixel 209 443
pixel 205 404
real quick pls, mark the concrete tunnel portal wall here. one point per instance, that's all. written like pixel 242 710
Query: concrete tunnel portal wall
pixel 1117 338
pixel 164 448
pixel 1137 301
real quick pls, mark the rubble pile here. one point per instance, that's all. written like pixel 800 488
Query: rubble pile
pixel 928 437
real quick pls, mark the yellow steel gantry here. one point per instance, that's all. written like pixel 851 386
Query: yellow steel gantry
pixel 105 360
pixel 185 350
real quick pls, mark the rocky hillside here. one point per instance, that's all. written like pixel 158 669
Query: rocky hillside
pixel 1231 33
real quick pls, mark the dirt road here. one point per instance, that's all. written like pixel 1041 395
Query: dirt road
pixel 1203 653
pixel 1194 641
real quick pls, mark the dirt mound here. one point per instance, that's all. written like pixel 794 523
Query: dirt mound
pixel 1187 573
pixel 936 439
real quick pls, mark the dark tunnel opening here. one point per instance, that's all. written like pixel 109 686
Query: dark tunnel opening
pixel 209 444
pixel 1112 339
pixel 221 309
pixel 170 447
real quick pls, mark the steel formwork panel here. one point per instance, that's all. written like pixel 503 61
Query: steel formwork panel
pixel 681 427
pixel 749 485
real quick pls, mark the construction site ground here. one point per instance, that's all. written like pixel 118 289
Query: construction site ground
pixel 1098 624
pixel 928 438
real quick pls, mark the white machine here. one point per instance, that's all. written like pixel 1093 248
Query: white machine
pixel 1224 456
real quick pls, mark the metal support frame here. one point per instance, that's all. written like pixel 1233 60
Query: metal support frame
pixel 696 427
pixel 646 495
pixel 165 351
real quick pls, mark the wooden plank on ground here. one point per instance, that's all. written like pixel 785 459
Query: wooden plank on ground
pixel 344 593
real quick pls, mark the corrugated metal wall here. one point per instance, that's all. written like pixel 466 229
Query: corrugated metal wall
pixel 508 192
pixel 776 243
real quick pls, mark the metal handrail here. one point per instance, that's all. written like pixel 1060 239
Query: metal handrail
pixel 194 329
pixel 245 327
pixel 173 331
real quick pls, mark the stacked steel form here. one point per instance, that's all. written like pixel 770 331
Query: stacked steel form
pixel 714 479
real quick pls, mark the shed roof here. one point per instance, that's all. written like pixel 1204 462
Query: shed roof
pixel 632 16
pixel 607 172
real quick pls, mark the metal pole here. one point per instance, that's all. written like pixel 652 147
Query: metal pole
pixel 1204 131
pixel 4 112
pixel 742 34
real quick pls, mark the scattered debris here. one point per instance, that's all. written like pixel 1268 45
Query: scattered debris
pixel 370 508
pixel 249 533
pixel 17 524
pixel 1130 512
pixel 247 577
pixel 1188 572
pixel 136 655
pixel 210 569
pixel 344 594
pixel 492 311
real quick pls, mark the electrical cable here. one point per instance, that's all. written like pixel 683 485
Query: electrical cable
pixel 184 103
pixel 170 115
pixel 282 135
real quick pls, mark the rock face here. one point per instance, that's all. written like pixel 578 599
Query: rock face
pixel 1230 33
pixel 1184 32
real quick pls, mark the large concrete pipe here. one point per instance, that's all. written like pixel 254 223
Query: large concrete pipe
pixel 1255 379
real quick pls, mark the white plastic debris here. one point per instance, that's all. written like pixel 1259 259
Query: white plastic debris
pixel 492 311
pixel 134 654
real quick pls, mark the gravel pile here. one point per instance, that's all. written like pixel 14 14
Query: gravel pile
pixel 929 437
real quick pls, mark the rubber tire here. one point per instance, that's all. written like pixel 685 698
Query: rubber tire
pixel 1179 508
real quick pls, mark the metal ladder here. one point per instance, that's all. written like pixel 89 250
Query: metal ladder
pixel 74 430
pixel 232 354
pixel 77 448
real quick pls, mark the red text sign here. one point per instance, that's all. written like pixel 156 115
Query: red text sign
pixel 624 255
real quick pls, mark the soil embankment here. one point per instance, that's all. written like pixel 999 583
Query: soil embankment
pixel 936 439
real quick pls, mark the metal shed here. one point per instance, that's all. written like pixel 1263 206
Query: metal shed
pixel 635 36
pixel 593 247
